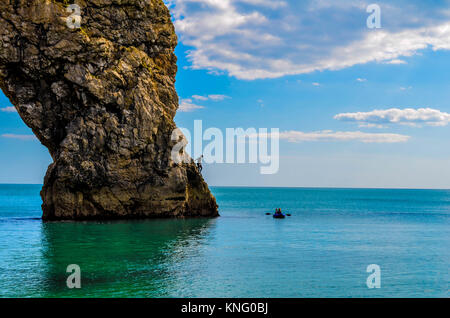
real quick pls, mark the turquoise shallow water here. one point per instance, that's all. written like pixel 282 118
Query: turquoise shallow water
pixel 321 251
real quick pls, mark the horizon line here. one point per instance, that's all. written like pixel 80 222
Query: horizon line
pixel 329 187
pixel 286 187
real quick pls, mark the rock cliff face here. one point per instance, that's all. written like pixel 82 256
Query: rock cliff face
pixel 102 99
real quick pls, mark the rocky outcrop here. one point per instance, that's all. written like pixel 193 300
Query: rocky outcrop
pixel 102 99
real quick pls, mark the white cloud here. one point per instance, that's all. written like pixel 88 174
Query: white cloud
pixel 186 105
pixel 212 97
pixel 370 125
pixel 316 84
pixel 294 136
pixel 198 97
pixel 395 62
pixel 10 109
pixel 217 98
pixel 361 80
pixel 407 116
pixel 328 135
pixel 255 39
pixel 20 137
pixel 273 4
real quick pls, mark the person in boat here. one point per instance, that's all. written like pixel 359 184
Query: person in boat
pixel 278 211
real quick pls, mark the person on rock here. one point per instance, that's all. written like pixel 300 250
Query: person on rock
pixel 199 163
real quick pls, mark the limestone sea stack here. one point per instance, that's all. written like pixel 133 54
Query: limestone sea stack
pixel 101 98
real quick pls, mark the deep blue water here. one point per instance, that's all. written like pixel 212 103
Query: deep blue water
pixel 323 250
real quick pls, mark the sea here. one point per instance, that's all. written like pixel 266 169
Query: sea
pixel 336 243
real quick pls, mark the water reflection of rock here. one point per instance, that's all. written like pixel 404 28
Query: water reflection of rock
pixel 119 259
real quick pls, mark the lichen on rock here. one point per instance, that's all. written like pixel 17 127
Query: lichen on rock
pixel 102 99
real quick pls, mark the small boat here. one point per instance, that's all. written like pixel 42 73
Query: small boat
pixel 279 216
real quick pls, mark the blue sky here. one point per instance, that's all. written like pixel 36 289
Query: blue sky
pixel 315 71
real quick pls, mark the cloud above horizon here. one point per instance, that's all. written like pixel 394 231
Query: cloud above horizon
pixel 212 97
pixel 187 104
pixel 294 136
pixel 328 135
pixel 9 109
pixel 19 137
pixel 407 116
pixel 257 39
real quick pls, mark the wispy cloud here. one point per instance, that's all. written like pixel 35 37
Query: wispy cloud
pixel 10 109
pixel 395 62
pixel 295 136
pixel 198 97
pixel 212 97
pixel 20 137
pixel 218 97
pixel 186 105
pixel 328 135
pixel 361 80
pixel 370 125
pixel 407 116
pixel 239 36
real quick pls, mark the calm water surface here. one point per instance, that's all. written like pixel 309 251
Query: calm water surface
pixel 323 250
